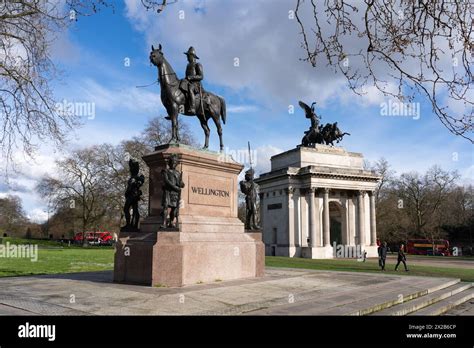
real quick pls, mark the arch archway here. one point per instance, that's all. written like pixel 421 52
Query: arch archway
pixel 336 223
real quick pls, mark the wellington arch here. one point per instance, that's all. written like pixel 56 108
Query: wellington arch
pixel 315 198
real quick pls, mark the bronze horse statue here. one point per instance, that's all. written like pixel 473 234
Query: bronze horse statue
pixel 207 106
pixel 326 135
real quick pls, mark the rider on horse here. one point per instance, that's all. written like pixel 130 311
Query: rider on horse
pixel 191 84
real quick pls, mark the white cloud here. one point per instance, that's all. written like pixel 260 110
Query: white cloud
pixel 264 153
pixel 241 48
pixel 110 99
pixel 255 49
pixel 28 172
pixel 239 109
pixel 467 175
pixel 38 215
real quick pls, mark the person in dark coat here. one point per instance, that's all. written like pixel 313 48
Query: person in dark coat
pixel 382 250
pixel 401 258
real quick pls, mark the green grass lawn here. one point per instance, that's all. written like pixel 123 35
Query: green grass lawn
pixel 56 258
pixel 46 243
pixel 371 265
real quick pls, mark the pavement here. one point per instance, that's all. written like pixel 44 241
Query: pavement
pixel 281 291
pixel 467 308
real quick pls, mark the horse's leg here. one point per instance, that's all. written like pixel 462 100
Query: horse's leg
pixel 177 128
pixel 205 128
pixel 217 122
pixel 173 114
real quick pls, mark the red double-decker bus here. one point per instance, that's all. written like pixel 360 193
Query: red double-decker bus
pixel 425 247
pixel 95 238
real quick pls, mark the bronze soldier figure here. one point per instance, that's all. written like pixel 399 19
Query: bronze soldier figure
pixel 132 196
pixel 191 84
pixel 248 188
pixel 172 185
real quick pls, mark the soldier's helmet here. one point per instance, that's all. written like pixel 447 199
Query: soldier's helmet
pixel 173 158
pixel 191 52
pixel 250 172
pixel 134 167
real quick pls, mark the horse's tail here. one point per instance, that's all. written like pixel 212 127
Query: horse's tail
pixel 223 109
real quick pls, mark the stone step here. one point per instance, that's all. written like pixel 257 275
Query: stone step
pixel 447 304
pixel 358 302
pixel 424 301
pixel 317 304
pixel 390 298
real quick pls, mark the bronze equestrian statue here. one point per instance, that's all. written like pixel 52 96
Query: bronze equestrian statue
pixel 186 96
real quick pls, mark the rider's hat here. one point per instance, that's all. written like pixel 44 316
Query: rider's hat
pixel 192 52
pixel 250 172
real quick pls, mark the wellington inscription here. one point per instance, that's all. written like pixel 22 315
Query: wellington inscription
pixel 212 191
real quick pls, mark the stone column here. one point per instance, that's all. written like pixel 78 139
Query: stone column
pixel 326 235
pixel 360 213
pixel 266 234
pixel 297 217
pixel 373 232
pixel 261 195
pixel 312 218
pixel 303 217
pixel 291 218
pixel 350 220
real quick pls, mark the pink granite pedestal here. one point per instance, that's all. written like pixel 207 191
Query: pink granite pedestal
pixel 210 243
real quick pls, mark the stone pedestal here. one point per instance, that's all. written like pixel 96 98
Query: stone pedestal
pixel 209 243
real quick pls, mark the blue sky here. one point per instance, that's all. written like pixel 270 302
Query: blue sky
pixel 270 77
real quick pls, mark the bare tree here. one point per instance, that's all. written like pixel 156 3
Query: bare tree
pixel 158 131
pixel 95 178
pixel 12 216
pixel 382 168
pixel 422 197
pixel 81 184
pixel 156 5
pixel 28 112
pixel 414 46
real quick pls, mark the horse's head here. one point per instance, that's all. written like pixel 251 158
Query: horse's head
pixel 156 56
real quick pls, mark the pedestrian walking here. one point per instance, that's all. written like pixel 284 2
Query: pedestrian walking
pixel 401 258
pixel 382 251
